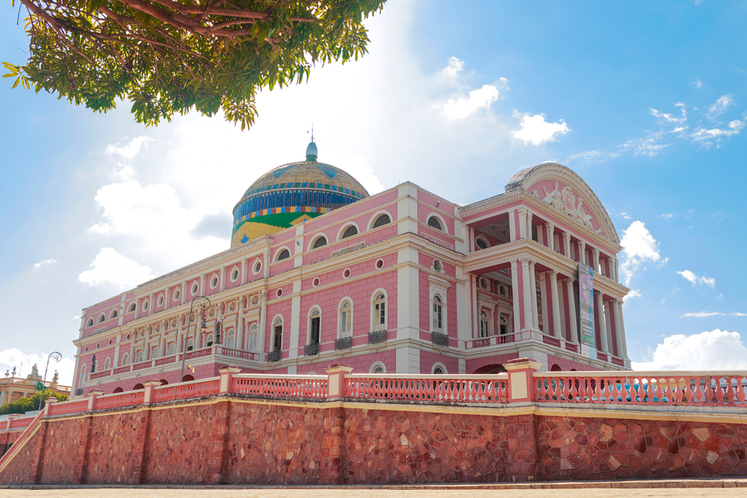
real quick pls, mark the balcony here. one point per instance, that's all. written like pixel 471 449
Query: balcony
pixel 344 343
pixel 274 356
pixel 377 337
pixel 311 349
pixel 440 339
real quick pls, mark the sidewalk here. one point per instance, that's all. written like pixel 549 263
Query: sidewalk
pixel 605 489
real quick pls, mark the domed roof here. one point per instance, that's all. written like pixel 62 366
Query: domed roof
pixel 290 194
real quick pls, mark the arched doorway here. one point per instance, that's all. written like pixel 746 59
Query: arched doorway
pixel 164 382
pixel 556 368
pixel 490 369
pixel 118 390
pixel 138 387
pixel 187 378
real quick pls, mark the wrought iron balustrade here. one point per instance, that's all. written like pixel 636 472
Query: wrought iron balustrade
pixel 440 339
pixel 273 356
pixel 311 349
pixel 343 343
pixel 377 337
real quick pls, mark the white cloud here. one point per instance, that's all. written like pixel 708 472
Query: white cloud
pixel 633 293
pixel 130 150
pixel 706 137
pixel 666 216
pixel 697 83
pixel 478 99
pixel 638 246
pixel 645 146
pixel 720 297
pixel 14 357
pixel 694 279
pixel 110 266
pixel 454 67
pixel 705 314
pixel 45 262
pixel 720 106
pixel 715 350
pixel 662 262
pixel 535 130
pixel 668 118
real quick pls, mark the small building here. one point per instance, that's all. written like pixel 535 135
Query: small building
pixel 319 272
pixel 13 388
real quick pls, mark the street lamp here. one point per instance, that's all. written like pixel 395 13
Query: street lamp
pixel 56 356
pixel 203 303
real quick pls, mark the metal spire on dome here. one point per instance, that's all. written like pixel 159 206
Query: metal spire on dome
pixel 311 151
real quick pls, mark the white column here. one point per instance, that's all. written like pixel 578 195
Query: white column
pixel 595 256
pixel 570 295
pixel 620 328
pixel 550 236
pixel 533 283
pixel 261 345
pixel 151 304
pixel 522 224
pixel 608 317
pixel 515 295
pixel 528 315
pixel 582 252
pixel 474 312
pixel 561 302
pixel 567 244
pixel 202 285
pixel 602 323
pixel 555 303
pixel 529 225
pixel 222 278
pixel 184 292
pixel 543 297
pixel 244 266
pixel 512 225
pixel 614 268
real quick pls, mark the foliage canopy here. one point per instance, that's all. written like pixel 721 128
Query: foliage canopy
pixel 24 405
pixel 169 56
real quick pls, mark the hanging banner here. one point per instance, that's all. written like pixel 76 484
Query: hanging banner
pixel 586 310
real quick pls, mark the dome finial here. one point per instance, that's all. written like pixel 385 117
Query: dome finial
pixel 311 151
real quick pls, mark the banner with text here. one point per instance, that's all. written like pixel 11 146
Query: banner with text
pixel 586 310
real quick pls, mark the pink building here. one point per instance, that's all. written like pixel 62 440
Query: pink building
pixel 404 281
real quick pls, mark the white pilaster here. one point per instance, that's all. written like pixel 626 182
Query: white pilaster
pixel 512 225
pixel 533 283
pixel 620 328
pixel 527 288
pixel 522 223
pixel 570 296
pixel 595 256
pixel 295 331
pixel 529 225
pixel 550 236
pixel 567 244
pixel 602 323
pixel 582 252
pixel 515 295
pixel 543 298
pixel 555 303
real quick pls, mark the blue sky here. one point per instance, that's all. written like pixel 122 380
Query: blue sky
pixel 648 103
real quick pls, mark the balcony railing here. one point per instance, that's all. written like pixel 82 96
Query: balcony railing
pixel 440 339
pixel 377 337
pixel 274 356
pixel 311 349
pixel 343 343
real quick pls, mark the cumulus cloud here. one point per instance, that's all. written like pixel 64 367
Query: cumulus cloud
pixel 706 314
pixel 45 263
pixel 694 279
pixel 714 350
pixel 10 358
pixel 535 130
pixel 720 106
pixel 478 99
pixel 639 246
pixel 454 67
pixel 110 266
pixel 697 83
pixel 633 293
pixel 130 150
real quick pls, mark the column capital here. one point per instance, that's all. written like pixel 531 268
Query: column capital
pixel 549 225
pixel 595 251
pixel 531 264
pixel 566 236
pixel 552 273
pixel 525 261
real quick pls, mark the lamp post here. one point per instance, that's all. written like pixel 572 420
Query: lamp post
pixel 56 356
pixel 202 303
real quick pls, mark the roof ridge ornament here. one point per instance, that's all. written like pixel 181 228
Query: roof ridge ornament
pixel 311 151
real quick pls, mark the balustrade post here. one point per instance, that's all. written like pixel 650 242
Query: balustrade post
pixel 226 378
pixel 48 406
pixel 336 385
pixel 149 386
pixel 521 379
pixel 92 395
pixel 11 418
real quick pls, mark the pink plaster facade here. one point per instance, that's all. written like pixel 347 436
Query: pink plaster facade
pixel 493 263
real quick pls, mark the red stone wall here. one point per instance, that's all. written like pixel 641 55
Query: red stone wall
pixel 591 448
pixel 7 438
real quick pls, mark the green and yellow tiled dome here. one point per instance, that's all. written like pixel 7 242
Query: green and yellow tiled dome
pixel 290 194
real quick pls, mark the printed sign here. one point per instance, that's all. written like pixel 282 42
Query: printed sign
pixel 586 310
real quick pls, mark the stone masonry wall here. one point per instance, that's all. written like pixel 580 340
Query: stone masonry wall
pixel 7 438
pixel 233 441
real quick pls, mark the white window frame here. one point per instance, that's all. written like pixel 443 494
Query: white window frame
pixel 486 324
pixel 340 310
pixel 253 337
pixel 314 312
pixel 376 364
pixel 278 321
pixel 439 286
pixel 376 216
pixel 441 221
pixel 344 229
pixel 375 322
pixel 279 252
pixel 125 359
pixel 315 238
pixel 440 365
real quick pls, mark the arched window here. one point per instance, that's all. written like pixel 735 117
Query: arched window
pixel 320 242
pixel 378 368
pixel 504 326
pixel 133 307
pixel 379 311
pixel 170 349
pixel 117 390
pixel 438 314
pixel 114 314
pixel 253 337
pixel 382 220
pixel 209 340
pixel 434 223
pixel 90 322
pixel 231 339
pixel 126 359
pixel 484 324
pixel 349 232
pixel 154 352
pixel 439 369
pixel 139 356
pixel 277 334
pixel 284 254
pixel 346 319
pixel 102 318
pixel 190 344
pixel 107 364
pixel 83 375
pixel 315 326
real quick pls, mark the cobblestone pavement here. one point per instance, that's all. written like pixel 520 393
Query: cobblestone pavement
pixel 706 488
